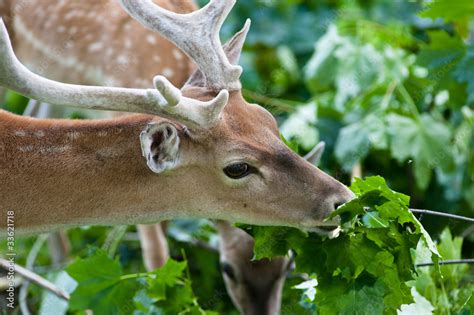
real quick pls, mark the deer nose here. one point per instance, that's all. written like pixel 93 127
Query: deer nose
pixel 338 204
pixel 345 196
pixel 340 196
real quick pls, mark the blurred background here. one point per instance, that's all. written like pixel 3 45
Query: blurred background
pixel 388 85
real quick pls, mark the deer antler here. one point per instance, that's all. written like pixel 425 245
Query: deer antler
pixel 197 34
pixel 166 100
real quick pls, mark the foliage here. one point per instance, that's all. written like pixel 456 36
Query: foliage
pixel 103 288
pixel 450 290
pixel 365 269
pixel 389 86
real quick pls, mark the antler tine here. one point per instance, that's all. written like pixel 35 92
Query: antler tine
pixel 196 34
pixel 166 100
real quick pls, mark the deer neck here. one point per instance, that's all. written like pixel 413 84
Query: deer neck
pixel 61 173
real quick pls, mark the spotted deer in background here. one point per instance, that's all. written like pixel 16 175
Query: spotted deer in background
pixel 220 159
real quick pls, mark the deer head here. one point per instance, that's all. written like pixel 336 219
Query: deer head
pixel 255 286
pixel 223 156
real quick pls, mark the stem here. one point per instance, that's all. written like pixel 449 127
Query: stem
pixel 188 272
pixel 284 106
pixel 406 96
pixel 113 240
pixel 30 262
pixel 388 95
pixel 448 262
pixel 442 214
pixel 134 276
pixel 35 278
pixel 356 171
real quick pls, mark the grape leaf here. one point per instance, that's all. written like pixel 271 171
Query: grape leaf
pixel 464 72
pixel 171 290
pixel 355 140
pixel 451 10
pixel 300 126
pixel 352 145
pixel 440 57
pixel 429 144
pixel 365 270
pixel 100 287
pixel 319 71
pixel 450 290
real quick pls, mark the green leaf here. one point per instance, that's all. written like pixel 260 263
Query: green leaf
pixel 51 303
pixel 352 145
pixel 450 10
pixel 355 140
pixel 15 103
pixel 360 66
pixel 171 291
pixel 464 72
pixel 450 248
pixel 440 57
pixel 171 272
pixel 366 300
pixel 301 126
pixel 449 290
pixel 100 287
pixel 424 140
pixel 319 71
pixel 273 241
pixel 366 269
pixel 167 276
pixel 421 306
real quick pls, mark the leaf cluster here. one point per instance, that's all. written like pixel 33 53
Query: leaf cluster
pixel 103 288
pixel 366 269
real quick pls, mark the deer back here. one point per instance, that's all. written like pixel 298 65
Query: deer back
pixel 94 42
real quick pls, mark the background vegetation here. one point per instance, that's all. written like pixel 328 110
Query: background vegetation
pixel 387 84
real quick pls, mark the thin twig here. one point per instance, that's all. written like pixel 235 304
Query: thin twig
pixel 442 214
pixel 30 262
pixel 468 231
pixel 114 237
pixel 35 278
pixel 284 106
pixel 448 262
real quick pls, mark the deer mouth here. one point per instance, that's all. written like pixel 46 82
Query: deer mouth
pixel 331 231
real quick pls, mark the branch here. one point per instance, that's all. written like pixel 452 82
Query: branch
pixel 30 262
pixel 35 278
pixel 448 262
pixel 442 214
pixel 282 105
pixel 114 237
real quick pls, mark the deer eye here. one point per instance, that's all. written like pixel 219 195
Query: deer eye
pixel 228 270
pixel 237 170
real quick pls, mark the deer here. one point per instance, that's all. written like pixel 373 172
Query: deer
pixel 200 151
pixel 255 286
pixel 223 238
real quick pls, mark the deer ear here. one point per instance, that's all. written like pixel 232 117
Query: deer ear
pixel 160 146
pixel 314 157
pixel 232 49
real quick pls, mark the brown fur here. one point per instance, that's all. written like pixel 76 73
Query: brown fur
pixel 5 14
pixel 60 40
pixel 255 286
pixel 58 165
pixel 58 173
pixel 101 178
